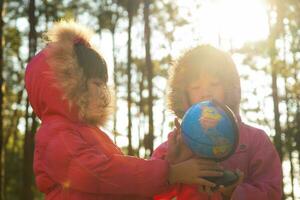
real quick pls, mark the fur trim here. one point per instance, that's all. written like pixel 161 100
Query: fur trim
pixel 189 66
pixel 68 32
pixel 70 77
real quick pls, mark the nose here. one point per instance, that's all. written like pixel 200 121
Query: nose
pixel 205 94
pixel 205 98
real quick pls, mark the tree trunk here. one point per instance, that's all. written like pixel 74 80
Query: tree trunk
pixel 46 6
pixel 149 67
pixel 115 86
pixel 141 106
pixel 277 138
pixel 274 72
pixel 129 60
pixel 29 130
pixel 297 116
pixel 290 153
pixel 289 137
pixel 1 95
pixel 289 130
pixel 16 116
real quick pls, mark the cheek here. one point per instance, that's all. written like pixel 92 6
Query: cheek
pixel 194 97
pixel 219 95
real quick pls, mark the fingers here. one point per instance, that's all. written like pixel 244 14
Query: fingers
pixel 206 162
pixel 211 167
pixel 209 187
pixel 172 138
pixel 204 182
pixel 177 124
pixel 241 176
pixel 201 188
pixel 205 189
pixel 191 172
pixel 221 188
pixel 224 189
pixel 177 129
pixel 210 173
pixel 208 190
pixel 209 164
pixel 173 150
pixel 208 167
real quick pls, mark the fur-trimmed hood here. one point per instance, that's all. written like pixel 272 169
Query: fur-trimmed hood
pixel 188 67
pixel 55 83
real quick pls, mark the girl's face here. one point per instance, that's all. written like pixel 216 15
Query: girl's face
pixel 206 87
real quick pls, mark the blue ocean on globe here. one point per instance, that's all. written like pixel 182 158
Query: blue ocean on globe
pixel 209 130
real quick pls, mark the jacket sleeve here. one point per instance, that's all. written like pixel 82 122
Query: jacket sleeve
pixel 172 190
pixel 73 163
pixel 264 180
pixel 160 152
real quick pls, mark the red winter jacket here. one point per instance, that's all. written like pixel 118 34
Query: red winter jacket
pixel 255 156
pixel 74 160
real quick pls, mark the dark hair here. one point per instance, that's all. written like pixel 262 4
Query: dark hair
pixel 92 63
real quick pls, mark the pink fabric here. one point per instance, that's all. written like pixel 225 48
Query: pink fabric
pixel 255 156
pixel 73 160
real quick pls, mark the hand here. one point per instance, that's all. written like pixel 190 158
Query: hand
pixel 192 171
pixel 205 189
pixel 177 149
pixel 227 191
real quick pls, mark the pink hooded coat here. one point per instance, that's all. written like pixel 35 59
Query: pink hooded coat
pixel 75 160
pixel 255 155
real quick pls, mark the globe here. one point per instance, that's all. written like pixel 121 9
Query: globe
pixel 210 130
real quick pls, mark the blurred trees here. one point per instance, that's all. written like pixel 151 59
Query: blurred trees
pixel 282 50
pixel 1 92
pixel 142 37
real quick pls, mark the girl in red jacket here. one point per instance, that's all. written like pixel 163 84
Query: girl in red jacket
pixel 205 73
pixel 73 158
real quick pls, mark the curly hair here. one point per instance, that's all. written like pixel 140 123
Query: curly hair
pixel 198 60
pixel 74 62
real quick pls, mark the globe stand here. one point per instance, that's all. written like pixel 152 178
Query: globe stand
pixel 227 179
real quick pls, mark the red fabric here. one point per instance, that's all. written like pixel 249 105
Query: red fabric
pixel 255 156
pixel 73 160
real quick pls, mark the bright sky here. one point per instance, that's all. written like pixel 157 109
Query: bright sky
pixel 225 22
pixel 235 20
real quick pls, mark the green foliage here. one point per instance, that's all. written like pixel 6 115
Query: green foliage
pixel 12 40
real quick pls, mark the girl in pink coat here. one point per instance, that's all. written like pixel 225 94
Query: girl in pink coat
pixel 205 73
pixel 74 159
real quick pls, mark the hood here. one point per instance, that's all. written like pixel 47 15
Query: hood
pixel 56 84
pixel 188 67
pixel 44 95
